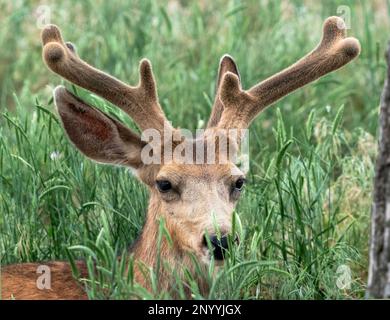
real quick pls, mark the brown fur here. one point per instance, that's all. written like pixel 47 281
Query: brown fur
pixel 19 282
pixel 202 195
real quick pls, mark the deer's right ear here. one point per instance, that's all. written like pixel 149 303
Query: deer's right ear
pixel 96 134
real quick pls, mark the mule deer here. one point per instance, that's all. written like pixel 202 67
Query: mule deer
pixel 192 198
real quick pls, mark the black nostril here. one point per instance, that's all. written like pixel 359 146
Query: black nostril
pixel 219 245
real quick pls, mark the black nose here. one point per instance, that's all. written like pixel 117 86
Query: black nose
pixel 218 244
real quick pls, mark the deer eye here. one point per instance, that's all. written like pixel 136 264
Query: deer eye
pixel 239 184
pixel 163 185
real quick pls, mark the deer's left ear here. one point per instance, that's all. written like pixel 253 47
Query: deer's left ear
pixel 96 134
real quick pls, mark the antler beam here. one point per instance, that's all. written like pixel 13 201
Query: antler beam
pixel 333 52
pixel 140 102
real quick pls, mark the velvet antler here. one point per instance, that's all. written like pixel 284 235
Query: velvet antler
pixel 240 107
pixel 226 64
pixel 140 102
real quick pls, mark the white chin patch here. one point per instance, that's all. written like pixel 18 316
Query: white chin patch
pixel 206 258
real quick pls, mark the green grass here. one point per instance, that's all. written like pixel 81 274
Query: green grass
pixel 305 211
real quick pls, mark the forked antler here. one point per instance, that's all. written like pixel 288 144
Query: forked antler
pixel 333 52
pixel 140 102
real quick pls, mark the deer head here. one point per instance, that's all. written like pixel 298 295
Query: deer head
pixel 195 199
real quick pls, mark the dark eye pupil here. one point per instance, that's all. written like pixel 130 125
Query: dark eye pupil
pixel 239 184
pixel 164 186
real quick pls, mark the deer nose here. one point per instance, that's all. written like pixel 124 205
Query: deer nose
pixel 218 244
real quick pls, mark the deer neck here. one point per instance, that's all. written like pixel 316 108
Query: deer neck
pixel 147 250
pixel 146 247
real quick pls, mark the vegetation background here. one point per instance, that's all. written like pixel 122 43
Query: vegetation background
pixel 304 216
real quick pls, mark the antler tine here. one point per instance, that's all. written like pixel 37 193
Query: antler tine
pixel 333 52
pixel 226 64
pixel 140 102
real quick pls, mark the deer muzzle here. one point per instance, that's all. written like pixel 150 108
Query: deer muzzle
pixel 219 245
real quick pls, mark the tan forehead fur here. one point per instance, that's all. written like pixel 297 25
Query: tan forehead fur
pixel 208 172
